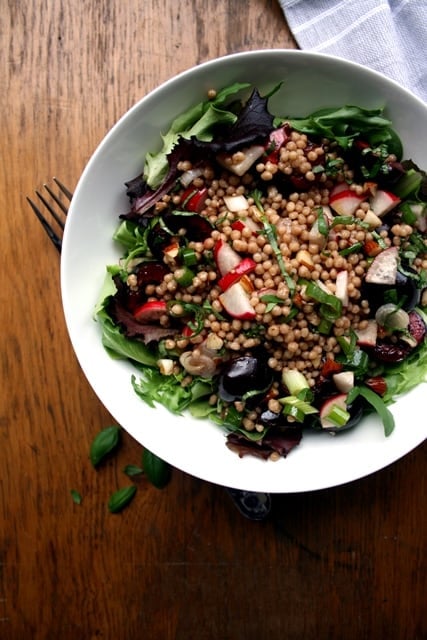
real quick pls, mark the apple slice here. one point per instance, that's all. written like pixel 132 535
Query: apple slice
pixel 249 157
pixel 236 203
pixel 236 302
pixel 344 381
pixel 383 202
pixel 383 269
pixel 225 257
pixel 150 311
pixel 245 266
pixel 345 202
pixel 372 220
pixel 367 337
pixel 341 284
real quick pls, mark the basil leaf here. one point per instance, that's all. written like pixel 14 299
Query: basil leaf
pixel 121 498
pixel 157 470
pixel 103 443
pixel 77 499
pixel 132 470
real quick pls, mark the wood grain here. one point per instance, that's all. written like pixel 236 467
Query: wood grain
pixel 347 563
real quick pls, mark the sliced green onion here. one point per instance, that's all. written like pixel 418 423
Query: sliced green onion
pixel 408 215
pixel 188 256
pixel 344 220
pixel 184 276
pixel 296 408
pixel 294 412
pixel 338 416
pixel 294 381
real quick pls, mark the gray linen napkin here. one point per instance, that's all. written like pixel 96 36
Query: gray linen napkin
pixel 389 36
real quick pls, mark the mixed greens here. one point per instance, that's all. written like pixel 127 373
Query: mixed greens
pixel 169 238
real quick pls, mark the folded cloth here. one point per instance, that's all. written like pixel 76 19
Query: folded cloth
pixel 389 36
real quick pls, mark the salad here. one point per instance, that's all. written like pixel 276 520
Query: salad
pixel 273 276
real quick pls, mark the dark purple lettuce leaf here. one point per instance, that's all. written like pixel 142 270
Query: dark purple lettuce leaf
pixel 134 329
pixel 281 441
pixel 253 125
pixel 142 198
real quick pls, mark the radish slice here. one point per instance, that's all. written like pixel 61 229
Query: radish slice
pixel 225 257
pixel 150 311
pixel 338 188
pixel 383 202
pixel 245 266
pixel 236 302
pixel 345 202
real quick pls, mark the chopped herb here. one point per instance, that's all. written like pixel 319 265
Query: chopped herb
pixel 270 232
pixel 354 248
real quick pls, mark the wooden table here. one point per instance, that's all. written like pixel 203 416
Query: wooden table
pixel 346 563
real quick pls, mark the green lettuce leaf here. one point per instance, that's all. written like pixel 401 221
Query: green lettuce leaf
pixel 167 390
pixel 119 346
pixel 199 121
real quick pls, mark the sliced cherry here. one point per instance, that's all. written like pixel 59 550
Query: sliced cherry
pixel 158 238
pixel 417 327
pixel 390 352
pixel 150 273
pixel 197 228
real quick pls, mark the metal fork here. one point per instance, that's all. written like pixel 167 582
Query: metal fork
pixel 254 506
pixel 55 227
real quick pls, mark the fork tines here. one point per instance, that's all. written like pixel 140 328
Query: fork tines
pixel 58 215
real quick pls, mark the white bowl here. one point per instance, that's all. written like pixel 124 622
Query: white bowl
pixel 310 81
